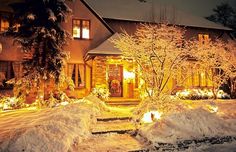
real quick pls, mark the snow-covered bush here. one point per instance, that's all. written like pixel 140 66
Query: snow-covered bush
pixel 165 104
pixel 101 91
pixel 9 103
pixel 94 100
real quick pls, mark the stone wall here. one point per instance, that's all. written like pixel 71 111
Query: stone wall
pixel 99 71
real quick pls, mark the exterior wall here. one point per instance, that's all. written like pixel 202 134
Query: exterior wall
pixel 9 52
pixel 79 47
pixel 98 32
pixel 76 47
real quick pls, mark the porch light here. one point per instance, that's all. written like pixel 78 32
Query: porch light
pixel 129 75
pixel 0 47
pixel 151 116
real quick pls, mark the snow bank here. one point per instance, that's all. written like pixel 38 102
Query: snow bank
pixel 56 130
pixel 91 99
pixel 192 124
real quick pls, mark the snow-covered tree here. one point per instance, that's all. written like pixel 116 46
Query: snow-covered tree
pixel 159 53
pixel 162 55
pixel 218 57
pixel 40 34
pixel 225 15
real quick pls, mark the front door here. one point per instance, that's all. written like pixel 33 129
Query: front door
pixel 115 79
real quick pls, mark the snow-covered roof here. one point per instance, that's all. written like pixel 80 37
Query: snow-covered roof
pixel 134 10
pixel 106 48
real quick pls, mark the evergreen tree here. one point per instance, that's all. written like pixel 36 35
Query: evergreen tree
pixel 225 15
pixel 40 34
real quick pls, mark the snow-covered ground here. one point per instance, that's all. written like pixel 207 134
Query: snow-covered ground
pixel 196 123
pixel 48 130
pixel 69 128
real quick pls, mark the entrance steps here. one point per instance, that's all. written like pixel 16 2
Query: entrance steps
pixel 120 125
pixel 122 101
pixel 113 132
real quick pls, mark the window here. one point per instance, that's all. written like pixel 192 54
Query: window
pixel 77 73
pixel 6 73
pixel 194 78
pixel 203 38
pixel 4 25
pixel 81 29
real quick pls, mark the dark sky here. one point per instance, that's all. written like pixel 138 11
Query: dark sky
pixel 198 7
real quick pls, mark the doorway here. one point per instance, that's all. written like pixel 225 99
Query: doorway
pixel 115 80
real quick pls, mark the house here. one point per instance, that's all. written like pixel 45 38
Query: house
pixel 94 59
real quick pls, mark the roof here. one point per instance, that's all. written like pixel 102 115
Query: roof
pixel 106 48
pixel 5 5
pixel 134 10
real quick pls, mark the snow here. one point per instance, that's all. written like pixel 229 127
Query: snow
pixel 48 129
pixel 188 125
pixel 109 143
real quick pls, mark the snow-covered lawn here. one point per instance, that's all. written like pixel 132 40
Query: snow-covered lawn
pixel 48 130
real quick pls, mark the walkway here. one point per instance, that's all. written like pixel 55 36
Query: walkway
pixel 112 133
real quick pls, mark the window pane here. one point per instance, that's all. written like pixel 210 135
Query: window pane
pixel 203 79
pixel 6 73
pixel 81 75
pixel 85 29
pixel 4 25
pixel 77 74
pixel 76 28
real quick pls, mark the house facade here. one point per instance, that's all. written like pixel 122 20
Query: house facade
pixel 93 59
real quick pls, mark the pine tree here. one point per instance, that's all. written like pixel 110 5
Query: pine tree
pixel 40 34
pixel 225 15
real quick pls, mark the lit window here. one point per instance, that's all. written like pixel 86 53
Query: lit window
pixel 194 78
pixel 4 25
pixel 6 73
pixel 203 38
pixel 81 29
pixel 77 73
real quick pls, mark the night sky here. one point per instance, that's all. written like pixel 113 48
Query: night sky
pixel 197 7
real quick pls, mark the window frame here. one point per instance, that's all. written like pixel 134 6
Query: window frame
pixel 81 29
pixel 77 74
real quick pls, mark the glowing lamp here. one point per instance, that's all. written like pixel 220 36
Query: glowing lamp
pixel 151 116
pixel 212 108
pixel 129 75
pixel 0 47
